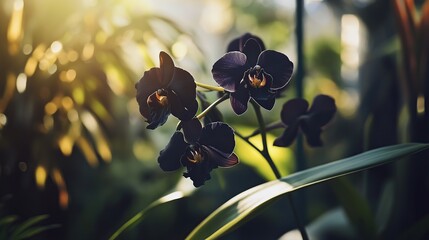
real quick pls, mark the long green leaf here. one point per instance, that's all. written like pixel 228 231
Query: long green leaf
pixel 27 224
pixel 36 230
pixel 247 204
pixel 181 190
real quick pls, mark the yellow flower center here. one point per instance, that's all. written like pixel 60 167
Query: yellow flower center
pixel 257 77
pixel 196 157
pixel 161 97
pixel 257 82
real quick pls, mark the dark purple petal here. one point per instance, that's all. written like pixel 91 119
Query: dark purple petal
pixel 238 43
pixel 321 111
pixel 239 100
pixel 312 133
pixel 146 86
pixel 184 86
pixel 220 136
pixel 220 158
pixel 288 136
pixel 169 157
pixel 278 66
pixel 179 110
pixel 199 173
pixel 267 104
pixel 158 111
pixel 252 50
pixel 192 130
pixel 167 68
pixel 229 70
pixel 292 110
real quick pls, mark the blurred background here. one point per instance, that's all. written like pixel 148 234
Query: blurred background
pixel 76 161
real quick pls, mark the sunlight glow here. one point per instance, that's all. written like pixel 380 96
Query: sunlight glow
pixel 72 56
pixel 88 151
pixel 56 47
pixel 21 82
pixel 179 50
pixel 350 43
pixel 3 120
pixel 266 192
pixel 143 151
pixel 39 51
pixel 52 69
pixel 73 115
pixel 421 104
pixel 89 121
pixel 66 145
pixel 48 122
pixel 14 31
pixel 63 196
pixel 88 51
pixel 104 149
pixel 211 20
pixel 50 108
pixel 30 66
pixel 115 79
pixel 68 76
pixel 40 175
pixel 27 49
pixel 283 157
pixel 67 103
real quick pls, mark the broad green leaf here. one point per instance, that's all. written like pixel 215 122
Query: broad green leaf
pixel 247 204
pixel 183 189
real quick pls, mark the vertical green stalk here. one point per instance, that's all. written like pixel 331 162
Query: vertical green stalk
pixel 270 161
pixel 264 150
pixel 299 81
pixel 299 77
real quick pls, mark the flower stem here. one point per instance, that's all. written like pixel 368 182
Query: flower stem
pixel 268 128
pixel 210 87
pixel 264 150
pixel 214 104
pixel 207 110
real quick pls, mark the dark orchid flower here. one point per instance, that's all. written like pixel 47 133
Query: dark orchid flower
pixel 166 90
pixel 237 44
pixel 200 150
pixel 252 73
pixel 295 115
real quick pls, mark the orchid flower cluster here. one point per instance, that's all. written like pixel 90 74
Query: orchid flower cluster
pixel 247 72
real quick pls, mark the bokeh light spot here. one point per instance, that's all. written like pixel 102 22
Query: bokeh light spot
pixel 40 175
pixel 21 82
pixel 50 108
pixel 56 47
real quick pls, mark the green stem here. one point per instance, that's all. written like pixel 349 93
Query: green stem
pixel 264 150
pixel 214 104
pixel 210 87
pixel 268 128
pixel 207 110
